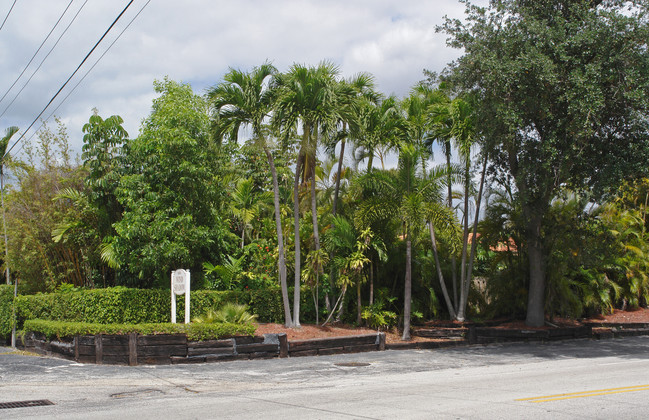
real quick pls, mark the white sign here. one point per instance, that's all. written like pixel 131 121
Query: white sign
pixel 180 284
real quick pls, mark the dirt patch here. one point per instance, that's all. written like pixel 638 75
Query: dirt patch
pixel 640 315
pixel 307 331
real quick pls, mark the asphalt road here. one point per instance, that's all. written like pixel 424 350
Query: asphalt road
pixel 572 380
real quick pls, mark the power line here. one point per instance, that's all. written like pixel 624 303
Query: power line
pixel 43 60
pixel 85 75
pixel 69 78
pixel 7 17
pixel 39 48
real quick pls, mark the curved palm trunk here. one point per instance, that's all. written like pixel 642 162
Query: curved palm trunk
pixel 281 263
pixel 296 221
pixel 407 305
pixel 447 299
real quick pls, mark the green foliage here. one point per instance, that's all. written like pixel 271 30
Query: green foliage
pixel 33 214
pixel 171 194
pixel 229 313
pixel 378 317
pixel 58 329
pixel 6 309
pixel 121 305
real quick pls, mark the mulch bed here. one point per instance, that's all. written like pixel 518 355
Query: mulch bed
pixel 308 331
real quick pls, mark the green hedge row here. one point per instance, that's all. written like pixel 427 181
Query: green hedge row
pixel 6 299
pixel 194 331
pixel 121 305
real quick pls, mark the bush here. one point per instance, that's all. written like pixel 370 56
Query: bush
pixel 196 332
pixel 6 300
pixel 121 305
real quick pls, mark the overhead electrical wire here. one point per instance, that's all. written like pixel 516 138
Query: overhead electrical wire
pixel 8 13
pixel 69 78
pixel 85 75
pixel 43 60
pixel 39 48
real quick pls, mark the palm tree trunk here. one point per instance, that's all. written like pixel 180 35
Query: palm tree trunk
pixel 314 212
pixel 407 304
pixel 474 244
pixel 281 263
pixel 296 222
pixel 339 173
pixel 359 318
pixel 447 299
pixel 461 312
pixel 450 206
pixel 371 282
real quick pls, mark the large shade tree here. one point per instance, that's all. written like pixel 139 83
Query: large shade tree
pixel 562 88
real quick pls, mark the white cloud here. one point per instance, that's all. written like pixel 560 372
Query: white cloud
pixel 196 41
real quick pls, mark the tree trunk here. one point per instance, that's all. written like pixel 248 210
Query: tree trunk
pixel 464 291
pixel 447 299
pixel 339 174
pixel 296 222
pixel 359 318
pixel 407 304
pixel 535 251
pixel 371 282
pixel 281 263
pixel 314 212
pixel 450 206
pixel 474 245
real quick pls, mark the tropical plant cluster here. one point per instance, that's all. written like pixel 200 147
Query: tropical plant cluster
pixel 513 184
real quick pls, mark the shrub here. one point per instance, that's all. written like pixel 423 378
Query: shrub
pixel 6 301
pixel 230 312
pixel 121 305
pixel 197 332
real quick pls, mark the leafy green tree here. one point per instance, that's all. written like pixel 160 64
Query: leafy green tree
pixel 561 87
pixel 244 99
pixel 170 192
pixel 34 213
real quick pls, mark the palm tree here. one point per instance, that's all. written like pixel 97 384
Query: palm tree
pixel 246 204
pixel 4 142
pixel 405 195
pixel 306 97
pixel 245 99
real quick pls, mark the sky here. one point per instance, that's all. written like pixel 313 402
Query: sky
pixel 196 42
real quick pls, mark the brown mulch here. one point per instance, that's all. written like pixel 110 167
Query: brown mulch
pixel 308 331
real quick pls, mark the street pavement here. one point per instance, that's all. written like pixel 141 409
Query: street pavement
pixel 574 379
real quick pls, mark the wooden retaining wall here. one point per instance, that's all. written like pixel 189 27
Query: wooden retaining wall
pixel 135 349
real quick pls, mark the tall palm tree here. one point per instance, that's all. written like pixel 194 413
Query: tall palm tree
pixel 406 195
pixel 4 142
pixel 246 99
pixel 306 97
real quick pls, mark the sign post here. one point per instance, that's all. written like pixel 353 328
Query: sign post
pixel 180 284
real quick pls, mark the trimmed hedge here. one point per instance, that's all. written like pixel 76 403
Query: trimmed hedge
pixel 121 305
pixel 6 300
pixel 196 332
